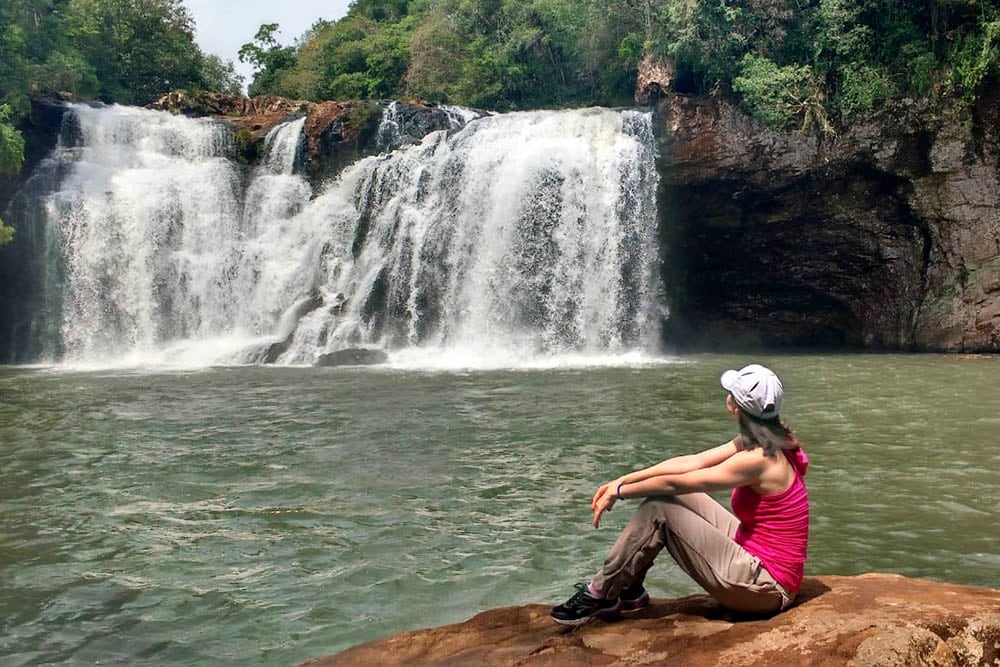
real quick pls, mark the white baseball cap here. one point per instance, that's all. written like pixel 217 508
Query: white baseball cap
pixel 755 389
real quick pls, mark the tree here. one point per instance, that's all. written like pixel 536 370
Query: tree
pixel 269 60
pixel 781 96
pixel 435 54
pixel 11 157
pixel 139 49
pixel 220 76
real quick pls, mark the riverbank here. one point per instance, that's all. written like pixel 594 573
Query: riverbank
pixel 869 619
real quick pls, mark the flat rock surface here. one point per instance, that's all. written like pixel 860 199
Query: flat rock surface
pixel 869 620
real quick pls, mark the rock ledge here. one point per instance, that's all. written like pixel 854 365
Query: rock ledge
pixel 870 620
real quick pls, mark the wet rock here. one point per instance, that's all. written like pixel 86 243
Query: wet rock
pixel 353 356
pixel 270 353
pixel 267 353
pixel 871 620
pixel 337 132
pixel 405 123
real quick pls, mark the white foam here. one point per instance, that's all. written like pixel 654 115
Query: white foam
pixel 488 359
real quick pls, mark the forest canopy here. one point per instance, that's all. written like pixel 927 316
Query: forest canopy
pixel 790 63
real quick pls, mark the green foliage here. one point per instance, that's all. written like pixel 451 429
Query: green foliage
pixel 791 63
pixel 11 156
pixel 779 96
pixel 11 144
pixel 127 51
pixel 139 49
pixel 703 36
pixel 863 88
pixel 975 59
pixel 358 58
pixel 220 76
pixel 269 60
pixel 920 78
pixel 247 147
pixel 436 53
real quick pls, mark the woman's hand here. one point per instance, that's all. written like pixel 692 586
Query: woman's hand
pixel 604 500
pixel 603 504
pixel 601 490
pixel 604 489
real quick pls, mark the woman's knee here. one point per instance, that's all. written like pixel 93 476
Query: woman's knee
pixel 655 510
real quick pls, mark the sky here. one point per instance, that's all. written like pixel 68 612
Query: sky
pixel 223 26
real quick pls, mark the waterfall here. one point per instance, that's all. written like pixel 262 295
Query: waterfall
pixel 509 238
pixel 397 128
pixel 282 146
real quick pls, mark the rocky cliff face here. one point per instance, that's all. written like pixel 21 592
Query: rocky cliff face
pixel 873 620
pixel 337 133
pixel 885 236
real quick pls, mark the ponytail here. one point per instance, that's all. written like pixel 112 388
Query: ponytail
pixel 772 435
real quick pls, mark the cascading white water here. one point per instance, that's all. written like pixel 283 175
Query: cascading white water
pixel 148 219
pixel 282 146
pixel 392 128
pixel 520 234
pixel 158 237
pixel 517 236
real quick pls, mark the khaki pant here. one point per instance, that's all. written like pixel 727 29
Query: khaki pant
pixel 698 532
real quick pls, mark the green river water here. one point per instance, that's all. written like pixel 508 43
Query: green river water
pixel 268 515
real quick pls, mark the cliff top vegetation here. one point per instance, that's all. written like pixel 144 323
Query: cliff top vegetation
pixel 790 63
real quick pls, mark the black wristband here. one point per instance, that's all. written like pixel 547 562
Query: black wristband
pixel 618 491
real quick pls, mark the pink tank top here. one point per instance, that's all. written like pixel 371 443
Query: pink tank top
pixel 775 527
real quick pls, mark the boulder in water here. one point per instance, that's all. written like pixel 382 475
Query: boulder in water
pixel 353 356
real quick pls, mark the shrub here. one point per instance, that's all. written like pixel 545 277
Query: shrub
pixel 862 88
pixel 779 96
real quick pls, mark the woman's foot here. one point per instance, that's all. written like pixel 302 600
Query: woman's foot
pixel 583 606
pixel 634 598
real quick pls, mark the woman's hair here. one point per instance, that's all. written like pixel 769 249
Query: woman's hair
pixel 772 435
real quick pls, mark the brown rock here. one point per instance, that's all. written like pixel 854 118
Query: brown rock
pixel 337 132
pixel 886 235
pixel 872 620
pixel 260 114
pixel 655 78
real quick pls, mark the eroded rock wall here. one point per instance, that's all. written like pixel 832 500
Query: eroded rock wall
pixel 337 133
pixel 884 236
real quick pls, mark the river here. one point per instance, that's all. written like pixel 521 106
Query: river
pixel 265 515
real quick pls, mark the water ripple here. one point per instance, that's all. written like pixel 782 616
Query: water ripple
pixel 264 516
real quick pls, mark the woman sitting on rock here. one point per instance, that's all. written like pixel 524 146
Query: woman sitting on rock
pixel 751 562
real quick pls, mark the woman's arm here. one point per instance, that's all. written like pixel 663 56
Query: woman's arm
pixel 740 469
pixel 672 466
pixel 682 464
pixel 607 493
